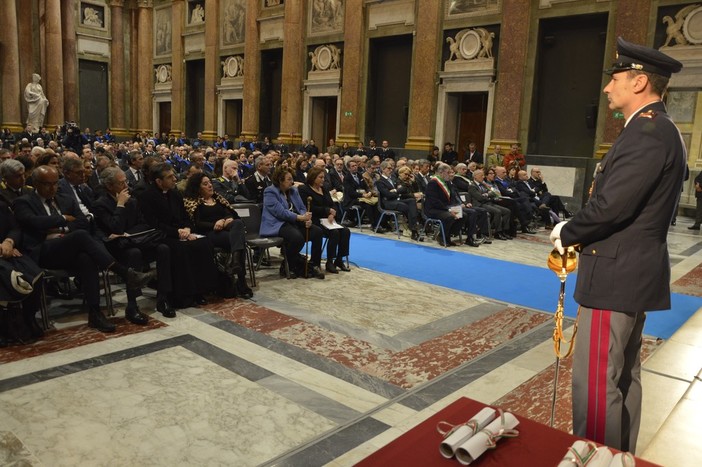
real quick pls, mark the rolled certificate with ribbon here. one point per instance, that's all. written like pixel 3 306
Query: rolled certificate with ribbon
pixel 459 434
pixel 586 453
pixel 487 438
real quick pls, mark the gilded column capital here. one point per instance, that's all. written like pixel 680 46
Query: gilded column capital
pixel 145 3
pixel 117 3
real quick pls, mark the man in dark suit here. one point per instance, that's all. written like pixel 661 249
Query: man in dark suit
pixel 337 175
pixel 422 175
pixel 73 185
pixel 13 183
pixel 386 151
pixel 472 155
pixel 55 236
pixel 449 156
pixel 621 232
pixel 391 199
pixel 229 185
pixel 258 182
pixel 479 196
pixel 117 213
pixel 437 202
pixel 355 189
pixel 134 173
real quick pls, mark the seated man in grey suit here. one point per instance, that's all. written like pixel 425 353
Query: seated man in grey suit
pixel 55 236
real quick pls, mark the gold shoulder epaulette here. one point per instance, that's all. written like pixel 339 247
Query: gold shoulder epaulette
pixel 648 114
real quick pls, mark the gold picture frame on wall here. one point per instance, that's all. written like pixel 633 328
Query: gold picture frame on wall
pixel 232 22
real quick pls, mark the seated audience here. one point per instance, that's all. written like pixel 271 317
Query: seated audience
pixel 256 183
pixel 322 207
pixel 213 216
pixel 392 199
pixel 480 195
pixel 193 270
pixel 116 214
pixel 55 236
pixel 537 183
pixel 20 287
pixel 358 192
pixel 285 215
pixel 437 202
pixel 13 181
pixel 514 158
pixel 229 185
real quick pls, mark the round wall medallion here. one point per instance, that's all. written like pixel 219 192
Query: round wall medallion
pixel 692 28
pixel 162 74
pixel 470 45
pixel 324 58
pixel 232 67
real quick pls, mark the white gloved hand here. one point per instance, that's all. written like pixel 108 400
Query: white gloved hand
pixel 555 236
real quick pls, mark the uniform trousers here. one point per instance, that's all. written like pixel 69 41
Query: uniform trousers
pixel 607 377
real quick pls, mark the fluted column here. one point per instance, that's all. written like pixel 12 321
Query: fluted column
pixel 70 60
pixel 350 117
pixel 212 67
pixel 145 67
pixel 177 69
pixel 511 72
pixel 631 22
pixel 291 94
pixel 117 123
pixel 252 74
pixel 423 93
pixel 53 81
pixel 11 91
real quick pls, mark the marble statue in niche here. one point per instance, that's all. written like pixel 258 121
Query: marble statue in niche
pixel 37 103
pixel 163 31
pixel 234 22
pixel 197 15
pixel 327 15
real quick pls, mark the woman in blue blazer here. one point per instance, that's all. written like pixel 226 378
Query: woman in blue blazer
pixel 284 215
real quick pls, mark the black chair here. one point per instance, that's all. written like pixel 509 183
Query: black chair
pixel 251 215
pixel 359 215
pixel 388 212
pixel 57 274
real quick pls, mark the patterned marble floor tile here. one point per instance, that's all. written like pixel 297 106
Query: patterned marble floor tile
pixel 690 283
pixel 13 453
pixel 57 340
pixel 181 410
pixel 533 399
pixel 437 356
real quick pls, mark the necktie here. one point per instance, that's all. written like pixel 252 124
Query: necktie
pixel 53 209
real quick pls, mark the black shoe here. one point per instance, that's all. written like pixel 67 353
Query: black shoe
pixel 485 240
pixel 694 227
pixel 381 230
pixel 53 289
pixel 415 235
pixel 165 309
pixel 473 243
pixel 314 271
pixel 348 223
pixel 242 289
pixel 528 231
pixel 567 214
pixel 136 279
pixel 501 236
pixel 199 300
pixel 135 316
pixel 97 320
pixel 331 268
pixel 673 222
pixel 342 266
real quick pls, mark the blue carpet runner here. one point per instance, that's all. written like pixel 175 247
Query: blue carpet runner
pixel 518 284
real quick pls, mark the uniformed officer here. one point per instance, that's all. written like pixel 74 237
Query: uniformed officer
pixel 624 266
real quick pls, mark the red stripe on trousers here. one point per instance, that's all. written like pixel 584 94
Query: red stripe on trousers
pixel 597 375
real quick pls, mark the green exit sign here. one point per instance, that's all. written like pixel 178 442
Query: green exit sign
pixel 618 114
pixel 348 113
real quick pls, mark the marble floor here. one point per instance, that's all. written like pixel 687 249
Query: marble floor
pixel 317 372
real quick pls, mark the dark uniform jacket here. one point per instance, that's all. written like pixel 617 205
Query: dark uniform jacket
pixel 622 230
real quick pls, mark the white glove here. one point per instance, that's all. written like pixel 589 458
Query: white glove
pixel 556 236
